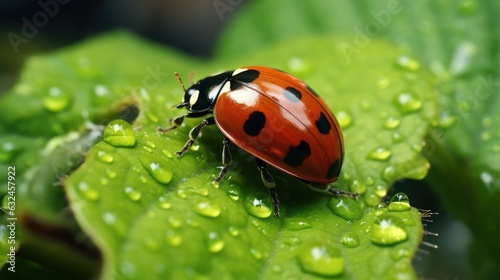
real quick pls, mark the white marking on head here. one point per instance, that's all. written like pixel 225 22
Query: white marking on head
pixel 239 70
pixel 194 97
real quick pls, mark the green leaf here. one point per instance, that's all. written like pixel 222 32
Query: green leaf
pixel 155 216
pixel 163 217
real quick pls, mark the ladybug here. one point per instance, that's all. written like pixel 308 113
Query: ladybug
pixel 273 116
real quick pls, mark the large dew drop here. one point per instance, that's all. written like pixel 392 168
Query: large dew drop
pixel 321 260
pixel 388 230
pixel 56 100
pixel 344 207
pixel 119 133
pixel 259 205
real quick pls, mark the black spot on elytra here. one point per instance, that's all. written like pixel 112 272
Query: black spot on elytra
pixel 323 125
pixel 292 94
pixel 296 155
pixel 244 77
pixel 334 170
pixel 254 124
pixel 312 90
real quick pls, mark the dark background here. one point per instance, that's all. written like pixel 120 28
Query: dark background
pixel 193 26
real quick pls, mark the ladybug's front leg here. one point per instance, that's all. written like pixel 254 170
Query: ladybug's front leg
pixel 193 135
pixel 269 182
pixel 177 121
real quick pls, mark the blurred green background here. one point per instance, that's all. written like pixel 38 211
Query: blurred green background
pixel 193 27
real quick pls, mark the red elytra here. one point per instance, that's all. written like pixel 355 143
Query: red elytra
pixel 275 117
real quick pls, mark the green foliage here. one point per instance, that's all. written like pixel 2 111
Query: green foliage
pixel 155 216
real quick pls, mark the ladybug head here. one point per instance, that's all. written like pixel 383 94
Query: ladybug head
pixel 201 96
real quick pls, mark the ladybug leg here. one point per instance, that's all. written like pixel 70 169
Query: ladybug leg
pixel 177 121
pixel 193 135
pixel 333 191
pixel 269 182
pixel 226 159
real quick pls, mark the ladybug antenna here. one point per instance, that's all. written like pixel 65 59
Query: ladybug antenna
pixel 180 80
pixel 191 76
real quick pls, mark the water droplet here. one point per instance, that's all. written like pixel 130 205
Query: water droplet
pixel 116 224
pixel 156 167
pixel 344 119
pixel 380 209
pixel 181 193
pixel 103 156
pixel 399 202
pixel 207 209
pixel 397 137
pixel 166 153
pixel 151 244
pixel 215 242
pixel 321 260
pixel 389 173
pixel 380 154
pixel 256 254
pixel 291 241
pixel 299 66
pixel 119 133
pixel 388 230
pixel 392 122
pixel 195 148
pixel 400 254
pixel 346 208
pixel 369 180
pixel 380 191
pixel 233 231
pixel 383 82
pixel 174 222
pixel 133 194
pixel 163 203
pixel 277 268
pixel 109 218
pixel 173 239
pixel 101 95
pixel 56 100
pixel 350 240
pixel 103 181
pixel 233 194
pixel 101 90
pixel 199 191
pixel 366 104
pixel 111 174
pixel 143 179
pixel 259 205
pixel 408 63
pixel 147 149
pixel 149 143
pixel 408 103
pixel 88 192
pixel 296 224
pixel 417 147
pixel 356 186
